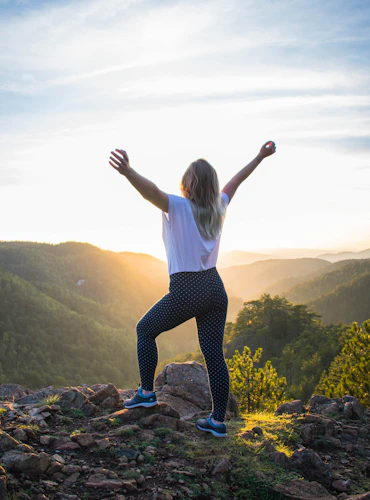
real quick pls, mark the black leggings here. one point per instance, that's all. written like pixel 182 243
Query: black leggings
pixel 201 294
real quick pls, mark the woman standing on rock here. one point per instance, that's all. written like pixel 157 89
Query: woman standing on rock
pixel 192 226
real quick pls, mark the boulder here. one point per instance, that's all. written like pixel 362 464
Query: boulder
pixel 291 407
pixel 72 397
pixel 32 464
pixel 309 463
pixel 302 490
pixel 7 442
pixel 185 386
pixel 106 393
pixel 352 408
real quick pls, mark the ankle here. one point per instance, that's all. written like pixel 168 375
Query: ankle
pixel 215 421
pixel 145 392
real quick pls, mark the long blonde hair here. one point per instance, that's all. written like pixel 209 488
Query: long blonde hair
pixel 200 186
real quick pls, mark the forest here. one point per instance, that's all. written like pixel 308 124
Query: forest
pixel 68 314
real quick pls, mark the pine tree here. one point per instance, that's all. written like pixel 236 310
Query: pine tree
pixel 255 388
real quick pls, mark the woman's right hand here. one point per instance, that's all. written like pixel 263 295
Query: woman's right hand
pixel 120 163
pixel 267 149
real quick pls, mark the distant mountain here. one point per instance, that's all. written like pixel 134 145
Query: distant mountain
pixel 340 294
pixel 281 287
pixel 335 257
pixel 338 274
pixel 250 281
pixel 239 258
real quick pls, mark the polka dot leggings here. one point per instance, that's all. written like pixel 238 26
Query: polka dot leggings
pixel 201 294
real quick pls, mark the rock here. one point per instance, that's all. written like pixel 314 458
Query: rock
pixel 281 459
pixel 221 467
pixel 352 408
pixel 45 440
pixel 30 463
pixel 308 433
pixel 60 441
pixel 309 463
pixel 71 479
pixel 103 444
pixel 257 430
pixel 108 392
pixel 248 435
pixel 7 442
pixel 157 420
pixel 100 481
pixel 89 409
pixel 135 414
pixel 13 391
pixel 72 397
pixel 37 396
pixel 20 434
pixel 130 485
pixel 318 400
pixel 129 453
pixel 69 446
pixel 3 493
pixel 340 485
pixel 302 490
pixel 83 439
pixel 290 407
pixel 185 387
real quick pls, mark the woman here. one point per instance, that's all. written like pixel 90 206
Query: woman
pixel 192 226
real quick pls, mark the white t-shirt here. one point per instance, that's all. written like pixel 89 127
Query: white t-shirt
pixel 186 249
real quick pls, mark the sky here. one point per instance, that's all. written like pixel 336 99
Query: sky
pixel 173 81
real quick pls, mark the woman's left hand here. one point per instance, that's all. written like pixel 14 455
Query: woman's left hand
pixel 120 163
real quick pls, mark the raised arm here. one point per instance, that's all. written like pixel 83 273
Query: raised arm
pixel 146 188
pixel 267 149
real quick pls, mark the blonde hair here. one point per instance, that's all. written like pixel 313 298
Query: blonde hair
pixel 200 186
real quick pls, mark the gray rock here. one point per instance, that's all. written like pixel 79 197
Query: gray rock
pixel 72 397
pixel 302 490
pixel 281 459
pixel 30 463
pixel 185 386
pixel 309 463
pixel 290 407
pixel 7 442
pixel 103 394
pixel 352 408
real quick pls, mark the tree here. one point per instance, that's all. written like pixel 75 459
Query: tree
pixel 255 388
pixel 349 373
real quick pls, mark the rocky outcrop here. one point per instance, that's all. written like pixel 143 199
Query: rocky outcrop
pixel 56 451
pixel 185 387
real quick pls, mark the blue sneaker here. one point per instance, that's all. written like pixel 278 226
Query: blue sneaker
pixel 141 400
pixel 205 424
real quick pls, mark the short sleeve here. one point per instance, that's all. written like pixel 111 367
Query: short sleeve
pixel 176 206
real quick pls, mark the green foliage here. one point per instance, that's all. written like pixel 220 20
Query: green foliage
pixel 56 332
pixel 163 431
pixel 53 399
pixel 73 413
pixel 255 388
pixel 349 373
pixel 293 338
